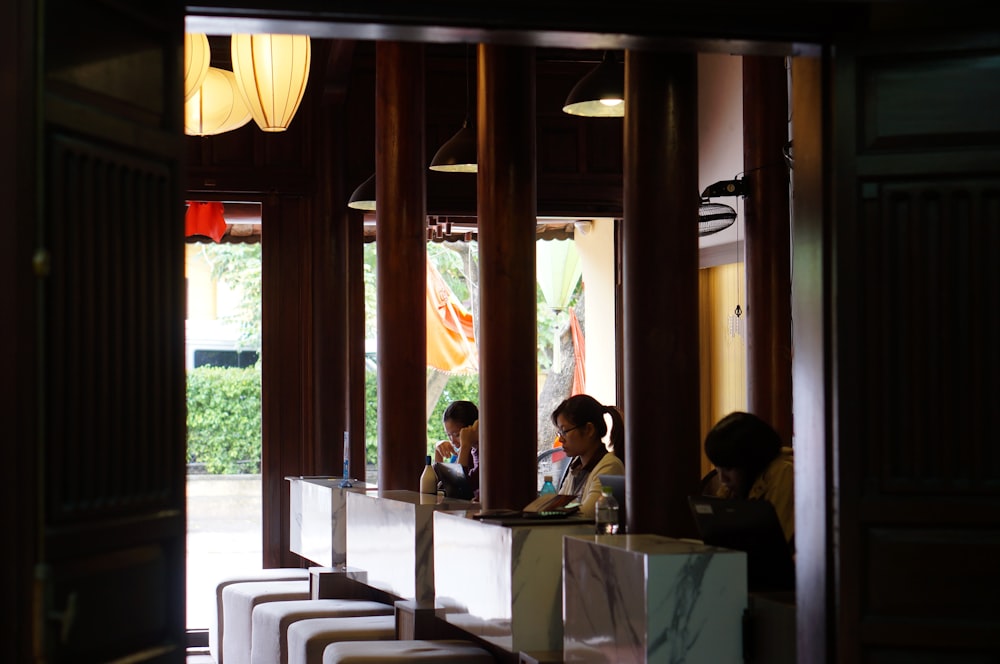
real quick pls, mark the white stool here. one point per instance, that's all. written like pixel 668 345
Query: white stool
pixel 402 652
pixel 215 629
pixel 308 638
pixel 269 637
pixel 238 603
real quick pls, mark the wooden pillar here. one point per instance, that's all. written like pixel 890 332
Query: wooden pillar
pixel 768 242
pixel 330 289
pixel 402 270
pixel 507 220
pixel 660 291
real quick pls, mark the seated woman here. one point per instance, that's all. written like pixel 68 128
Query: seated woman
pixel 461 423
pixel 752 464
pixel 581 427
pixel 457 416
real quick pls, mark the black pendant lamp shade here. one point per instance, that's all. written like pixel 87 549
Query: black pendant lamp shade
pixel 363 197
pixel 459 153
pixel 601 93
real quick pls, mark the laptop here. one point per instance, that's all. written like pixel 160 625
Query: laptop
pixel 617 484
pixel 750 526
pixel 453 480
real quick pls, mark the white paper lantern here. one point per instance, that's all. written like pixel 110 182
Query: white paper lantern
pixel 271 72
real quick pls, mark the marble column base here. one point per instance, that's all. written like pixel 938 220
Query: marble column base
pixel 647 598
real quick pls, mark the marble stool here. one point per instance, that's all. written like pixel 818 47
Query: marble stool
pixel 308 638
pixel 402 652
pixel 269 637
pixel 216 628
pixel 238 603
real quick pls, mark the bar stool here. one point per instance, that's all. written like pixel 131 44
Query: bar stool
pixel 403 652
pixel 308 638
pixel 216 629
pixel 238 603
pixel 269 637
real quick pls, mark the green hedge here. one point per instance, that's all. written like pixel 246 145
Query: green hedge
pixel 223 419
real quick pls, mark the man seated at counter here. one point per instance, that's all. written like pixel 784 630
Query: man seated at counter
pixel 753 465
pixel 581 427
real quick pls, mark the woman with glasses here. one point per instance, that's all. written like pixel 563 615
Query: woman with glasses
pixel 581 427
pixel 457 416
pixel 461 424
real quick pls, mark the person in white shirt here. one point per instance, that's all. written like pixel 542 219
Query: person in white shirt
pixel 581 427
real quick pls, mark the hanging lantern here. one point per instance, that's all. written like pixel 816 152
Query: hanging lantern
pixel 271 72
pixel 197 57
pixel 216 107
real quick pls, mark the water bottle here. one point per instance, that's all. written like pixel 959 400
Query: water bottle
pixel 428 478
pixel 606 513
pixel 547 486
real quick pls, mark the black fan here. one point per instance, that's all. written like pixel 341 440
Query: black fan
pixel 714 217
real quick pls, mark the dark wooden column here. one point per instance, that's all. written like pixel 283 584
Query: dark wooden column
pixel 402 270
pixel 506 186
pixel 330 287
pixel 660 284
pixel 286 365
pixel 768 242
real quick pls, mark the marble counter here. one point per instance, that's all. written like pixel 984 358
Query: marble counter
pixel 502 580
pixel 318 530
pixel 647 598
pixel 390 536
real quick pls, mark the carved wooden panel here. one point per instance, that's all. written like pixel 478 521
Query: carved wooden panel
pixel 114 333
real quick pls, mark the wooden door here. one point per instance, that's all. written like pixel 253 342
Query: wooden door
pixel 900 566
pixel 109 404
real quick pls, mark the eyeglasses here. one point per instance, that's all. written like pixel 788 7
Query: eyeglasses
pixel 562 432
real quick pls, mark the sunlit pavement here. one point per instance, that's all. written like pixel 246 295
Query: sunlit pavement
pixel 223 538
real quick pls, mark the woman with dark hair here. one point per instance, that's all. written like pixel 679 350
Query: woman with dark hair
pixel 457 416
pixel 581 427
pixel 461 424
pixel 752 464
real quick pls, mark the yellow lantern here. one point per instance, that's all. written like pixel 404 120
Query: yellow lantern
pixel 216 107
pixel 197 57
pixel 271 72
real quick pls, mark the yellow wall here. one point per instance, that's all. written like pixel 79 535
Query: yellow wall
pixel 723 345
pixel 201 287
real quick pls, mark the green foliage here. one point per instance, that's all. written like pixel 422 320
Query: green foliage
pixel 224 425
pixel 239 267
pixel 371 417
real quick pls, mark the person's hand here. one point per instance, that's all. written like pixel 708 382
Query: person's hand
pixel 470 435
pixel 444 450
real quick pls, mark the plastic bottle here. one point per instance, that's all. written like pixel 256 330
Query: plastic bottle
pixel 547 486
pixel 428 478
pixel 606 513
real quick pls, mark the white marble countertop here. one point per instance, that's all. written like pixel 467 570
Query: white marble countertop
pixel 650 544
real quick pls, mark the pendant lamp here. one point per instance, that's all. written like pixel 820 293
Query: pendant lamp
pixel 363 197
pixel 216 106
pixel 197 57
pixel 601 93
pixel 459 154
pixel 271 72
